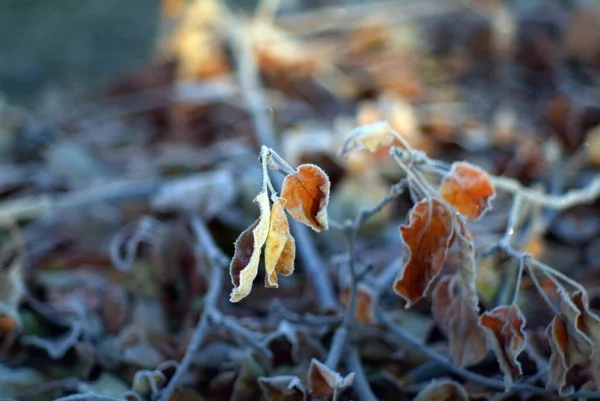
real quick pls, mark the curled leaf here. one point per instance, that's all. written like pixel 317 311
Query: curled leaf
pixel 281 388
pixel 572 335
pixel 280 250
pixel 244 265
pixel 442 390
pixel 504 328
pixel 468 189
pixel 324 382
pixel 456 314
pixel 371 136
pixel 426 238
pixel 307 194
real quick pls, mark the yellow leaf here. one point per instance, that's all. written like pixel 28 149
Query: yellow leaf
pixel 280 250
pixel 244 265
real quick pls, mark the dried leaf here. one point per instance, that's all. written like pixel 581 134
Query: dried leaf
pixel 244 265
pixel 324 382
pixel 282 388
pixel 504 328
pixel 453 309
pixel 307 194
pixel 364 312
pixel 468 189
pixel 442 390
pixel 572 336
pixel 280 250
pixel 426 239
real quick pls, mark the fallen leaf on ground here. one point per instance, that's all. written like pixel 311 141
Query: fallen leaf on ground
pixel 282 388
pixel 442 390
pixel 324 382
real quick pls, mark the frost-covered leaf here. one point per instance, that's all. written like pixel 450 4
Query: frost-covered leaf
pixel 453 309
pixel 442 390
pixel 282 388
pixel 468 189
pixel 304 344
pixel 324 382
pixel 371 136
pixel 280 250
pixel 573 335
pixel 504 326
pixel 244 265
pixel 426 238
pixel 364 312
pixel 307 194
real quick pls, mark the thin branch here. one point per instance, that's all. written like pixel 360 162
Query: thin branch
pixel 466 374
pixel 216 258
pixel 360 384
pixel 265 134
pixel 340 338
pixel 70 383
pixel 89 397
pixel 557 202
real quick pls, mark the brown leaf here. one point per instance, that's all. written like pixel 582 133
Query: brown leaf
pixel 323 382
pixel 282 388
pixel 244 265
pixel 468 189
pixel 364 311
pixel 307 194
pixel 453 309
pixel 426 239
pixel 572 335
pixel 280 250
pixel 443 390
pixel 504 328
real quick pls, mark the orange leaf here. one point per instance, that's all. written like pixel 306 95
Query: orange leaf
pixel 280 250
pixel 426 239
pixel 307 194
pixel 468 189
pixel 324 382
pixel 504 328
pixel 453 309
pixel 364 311
pixel 573 336
pixel 244 265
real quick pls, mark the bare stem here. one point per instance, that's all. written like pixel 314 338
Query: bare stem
pixel 360 383
pixel 216 259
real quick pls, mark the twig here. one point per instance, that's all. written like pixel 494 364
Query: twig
pixel 217 261
pixel 556 202
pixel 360 384
pixel 89 397
pixel 340 338
pixel 265 133
pixel 248 336
pixel 365 214
pixel 466 374
pixel 70 383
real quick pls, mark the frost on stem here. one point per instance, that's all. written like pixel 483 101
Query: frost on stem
pixel 305 196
